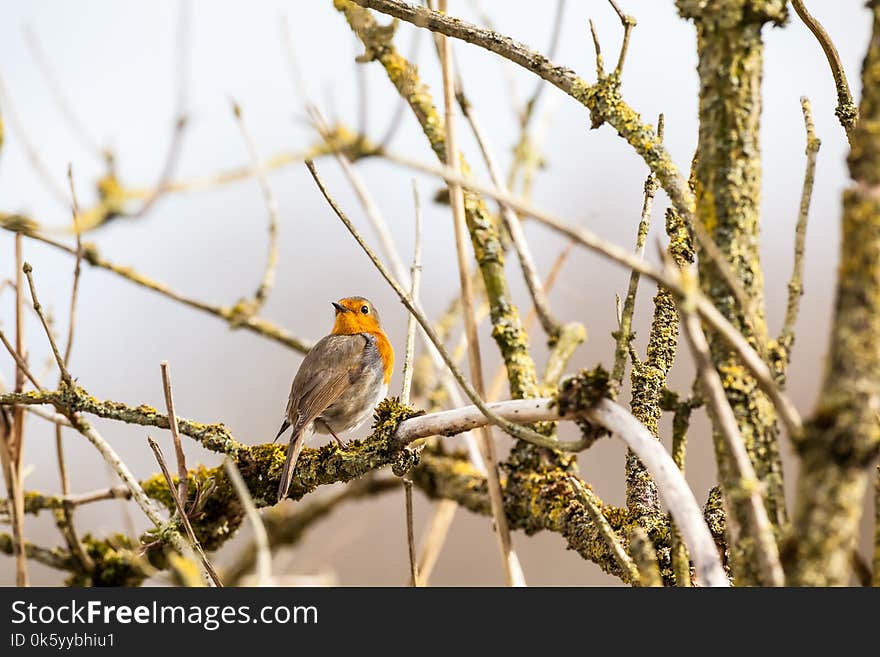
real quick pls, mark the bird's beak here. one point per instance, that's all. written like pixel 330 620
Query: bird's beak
pixel 340 308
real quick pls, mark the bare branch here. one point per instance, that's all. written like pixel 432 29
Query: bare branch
pixel 600 65
pixel 796 284
pixel 434 538
pixel 65 375
pixel 410 535
pixel 415 279
pixel 261 539
pixel 628 22
pixel 182 487
pixel 209 573
pixel 77 269
pixel 20 363
pixel 847 112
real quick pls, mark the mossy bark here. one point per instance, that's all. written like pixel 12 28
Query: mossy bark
pixel 648 378
pixel 843 435
pixel 727 188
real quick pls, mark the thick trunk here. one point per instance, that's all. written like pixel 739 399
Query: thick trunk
pixel 728 193
pixel 843 436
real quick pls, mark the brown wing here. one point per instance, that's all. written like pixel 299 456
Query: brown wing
pixel 323 376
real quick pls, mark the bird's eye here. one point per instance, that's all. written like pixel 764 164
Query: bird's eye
pixel 365 310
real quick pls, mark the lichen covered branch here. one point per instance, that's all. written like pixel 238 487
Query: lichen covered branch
pixel 842 437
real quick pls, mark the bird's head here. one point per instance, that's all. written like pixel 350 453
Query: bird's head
pixel 355 315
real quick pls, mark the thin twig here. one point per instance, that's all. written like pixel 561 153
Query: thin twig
pixel 261 538
pixel 593 505
pixel 410 534
pixel 600 65
pixel 847 112
pixel 122 471
pixel 628 23
pixel 211 576
pixel 77 268
pixel 65 375
pixel 624 329
pixel 796 284
pixel 14 491
pixel 747 486
pixel 20 363
pixel 268 279
pixel 415 279
pixel 434 538
pixel 182 486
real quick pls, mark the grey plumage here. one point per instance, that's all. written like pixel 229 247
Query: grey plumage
pixel 330 388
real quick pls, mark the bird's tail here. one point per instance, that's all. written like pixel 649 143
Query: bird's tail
pixel 293 449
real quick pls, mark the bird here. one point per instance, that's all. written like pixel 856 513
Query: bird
pixel 340 381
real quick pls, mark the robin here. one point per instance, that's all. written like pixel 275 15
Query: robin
pixel 340 381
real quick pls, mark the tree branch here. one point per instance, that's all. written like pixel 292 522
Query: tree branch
pixel 847 112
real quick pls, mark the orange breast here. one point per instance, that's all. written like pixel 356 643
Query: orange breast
pixel 386 352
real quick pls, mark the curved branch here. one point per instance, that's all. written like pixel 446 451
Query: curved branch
pixel 847 112
pixel 387 444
